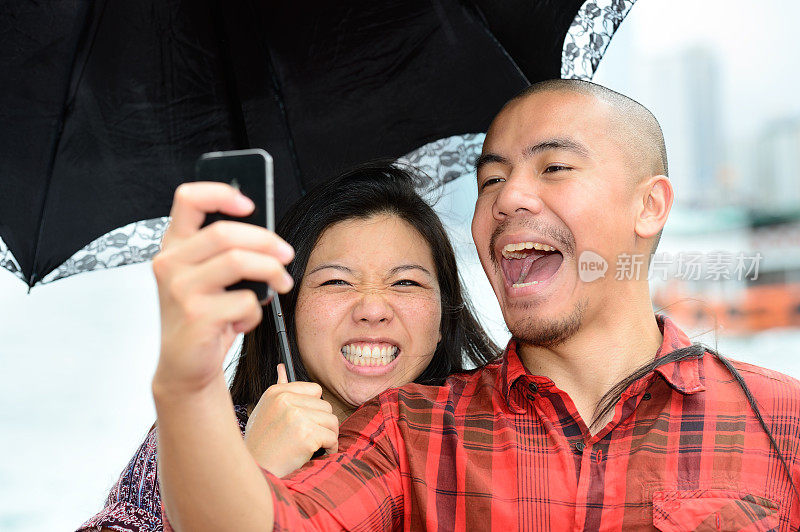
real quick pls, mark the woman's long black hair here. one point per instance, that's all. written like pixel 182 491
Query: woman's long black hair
pixel 609 401
pixel 363 192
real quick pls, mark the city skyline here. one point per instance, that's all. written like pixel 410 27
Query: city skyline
pixel 702 83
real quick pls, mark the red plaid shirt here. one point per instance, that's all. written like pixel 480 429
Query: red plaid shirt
pixel 501 449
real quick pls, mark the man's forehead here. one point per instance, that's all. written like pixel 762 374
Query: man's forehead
pixel 547 114
pixel 551 106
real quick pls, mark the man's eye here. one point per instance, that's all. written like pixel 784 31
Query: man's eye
pixel 406 282
pixel 491 181
pixel 556 168
pixel 335 282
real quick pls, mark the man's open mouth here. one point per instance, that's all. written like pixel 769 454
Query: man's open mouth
pixel 529 263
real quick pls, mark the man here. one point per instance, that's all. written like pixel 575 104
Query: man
pixel 600 414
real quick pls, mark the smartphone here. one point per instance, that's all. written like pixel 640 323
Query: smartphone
pixel 251 172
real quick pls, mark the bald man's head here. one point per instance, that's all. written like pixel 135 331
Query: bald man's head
pixel 636 127
pixel 602 127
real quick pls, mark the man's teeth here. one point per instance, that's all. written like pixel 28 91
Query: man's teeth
pixel 369 355
pixel 510 251
pixel 522 285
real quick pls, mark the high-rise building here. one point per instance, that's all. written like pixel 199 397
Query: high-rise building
pixel 777 184
pixel 683 91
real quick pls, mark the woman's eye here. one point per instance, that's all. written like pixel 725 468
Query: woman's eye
pixel 335 282
pixel 491 181
pixel 555 168
pixel 406 282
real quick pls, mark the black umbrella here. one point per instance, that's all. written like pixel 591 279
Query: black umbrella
pixel 106 105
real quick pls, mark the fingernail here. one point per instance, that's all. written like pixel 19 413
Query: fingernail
pixel 244 202
pixel 285 251
pixel 288 281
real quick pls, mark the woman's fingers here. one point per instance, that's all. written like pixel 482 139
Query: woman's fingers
pixel 192 201
pixel 312 403
pixel 282 378
pixel 199 319
pixel 288 390
pixel 324 419
pixel 297 401
pixel 231 267
pixel 196 332
pixel 225 235
pixel 288 425
pixel 239 307
pixel 328 440
pixel 316 429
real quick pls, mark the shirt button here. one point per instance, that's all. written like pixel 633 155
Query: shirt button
pixel 647 396
pixel 532 387
pixel 598 457
pixel 579 446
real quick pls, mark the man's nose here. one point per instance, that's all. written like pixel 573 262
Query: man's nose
pixel 519 194
pixel 372 307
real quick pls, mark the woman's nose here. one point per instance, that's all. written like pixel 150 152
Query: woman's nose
pixel 372 307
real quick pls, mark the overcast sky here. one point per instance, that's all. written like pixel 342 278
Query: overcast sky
pixel 755 42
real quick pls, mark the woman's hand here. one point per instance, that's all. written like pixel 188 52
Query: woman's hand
pixel 199 318
pixel 288 425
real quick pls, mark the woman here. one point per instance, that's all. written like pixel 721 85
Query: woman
pixel 376 303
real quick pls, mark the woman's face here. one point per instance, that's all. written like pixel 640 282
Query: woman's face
pixel 368 309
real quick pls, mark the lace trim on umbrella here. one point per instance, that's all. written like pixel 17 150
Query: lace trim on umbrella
pixel 589 36
pixel 446 159
pixel 8 261
pixel 133 243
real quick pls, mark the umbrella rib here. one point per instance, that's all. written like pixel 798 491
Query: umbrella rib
pixel 484 25
pixel 281 106
pixel 99 9
pixel 83 37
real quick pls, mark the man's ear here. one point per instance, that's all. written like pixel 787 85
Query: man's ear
pixel 654 197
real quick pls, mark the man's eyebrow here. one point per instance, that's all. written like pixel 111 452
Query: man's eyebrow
pixel 332 266
pixel 406 267
pixel 487 158
pixel 558 143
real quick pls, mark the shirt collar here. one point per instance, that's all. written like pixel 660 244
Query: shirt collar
pixel 682 375
pixel 511 370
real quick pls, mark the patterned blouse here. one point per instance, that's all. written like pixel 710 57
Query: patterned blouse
pixel 134 503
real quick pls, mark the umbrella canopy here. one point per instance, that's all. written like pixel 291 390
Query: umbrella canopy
pixel 106 105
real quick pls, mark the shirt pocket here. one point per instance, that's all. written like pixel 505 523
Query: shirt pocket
pixel 712 509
